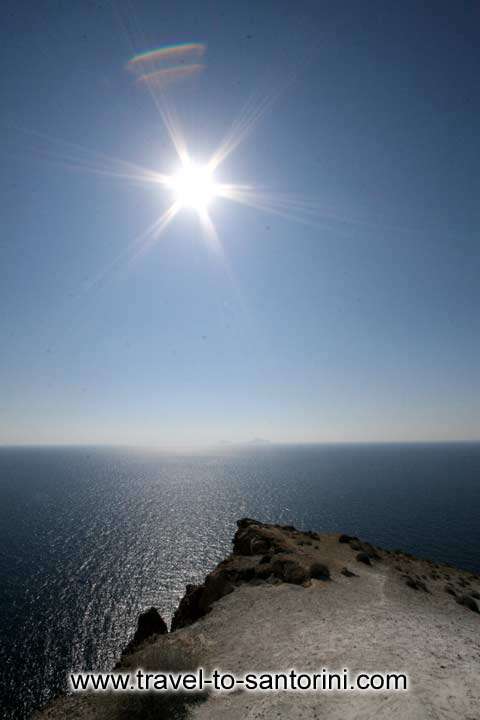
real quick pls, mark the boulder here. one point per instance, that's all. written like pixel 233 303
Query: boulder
pixel 360 546
pixel 346 538
pixel 319 571
pixel 289 571
pixel 356 545
pixel 294 573
pixel 363 557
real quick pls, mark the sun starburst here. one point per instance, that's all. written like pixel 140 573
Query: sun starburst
pixel 194 186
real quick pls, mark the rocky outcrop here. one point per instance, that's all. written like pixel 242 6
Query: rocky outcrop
pixel 287 594
pixel 254 538
pixel 149 623
pixel 348 573
pixel 261 553
pixel 198 599
pixel 268 553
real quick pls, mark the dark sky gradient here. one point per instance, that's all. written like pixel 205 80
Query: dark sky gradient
pixel 360 325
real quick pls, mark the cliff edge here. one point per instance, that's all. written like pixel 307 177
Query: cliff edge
pixel 290 599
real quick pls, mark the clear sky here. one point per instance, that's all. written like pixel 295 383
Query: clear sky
pixel 360 324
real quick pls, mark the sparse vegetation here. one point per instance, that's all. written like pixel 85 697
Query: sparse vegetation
pixel 165 655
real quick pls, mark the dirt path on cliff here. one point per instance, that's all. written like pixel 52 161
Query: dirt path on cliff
pixel 368 623
pixel 371 611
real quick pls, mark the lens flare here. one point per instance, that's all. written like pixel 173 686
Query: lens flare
pixel 166 65
pixel 167 53
pixel 193 186
pixel 162 78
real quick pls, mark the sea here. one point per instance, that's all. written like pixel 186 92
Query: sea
pixel 90 537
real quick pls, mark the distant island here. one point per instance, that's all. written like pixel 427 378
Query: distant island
pixel 287 598
pixel 253 441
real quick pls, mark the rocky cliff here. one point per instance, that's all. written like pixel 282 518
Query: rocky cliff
pixel 288 599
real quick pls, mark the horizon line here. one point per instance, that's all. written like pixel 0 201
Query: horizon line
pixel 238 443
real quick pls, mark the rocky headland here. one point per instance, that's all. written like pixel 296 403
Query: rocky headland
pixel 286 599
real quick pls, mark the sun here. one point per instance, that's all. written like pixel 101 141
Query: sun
pixel 193 186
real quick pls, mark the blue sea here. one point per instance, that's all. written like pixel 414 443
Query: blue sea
pixel 89 537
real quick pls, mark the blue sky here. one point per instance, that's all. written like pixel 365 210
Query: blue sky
pixel 360 325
